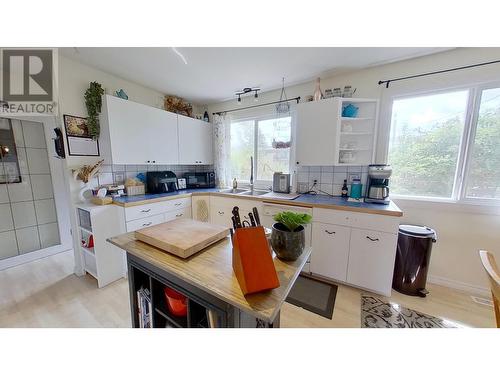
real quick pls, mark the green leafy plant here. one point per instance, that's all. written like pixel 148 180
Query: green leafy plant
pixel 93 102
pixel 292 220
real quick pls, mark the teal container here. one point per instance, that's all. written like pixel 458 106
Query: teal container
pixel 356 189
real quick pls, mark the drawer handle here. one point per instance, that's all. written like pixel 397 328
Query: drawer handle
pixel 147 224
pixel 221 212
pixel 327 231
pixel 178 215
pixel 149 209
pixel 372 239
pixel 177 204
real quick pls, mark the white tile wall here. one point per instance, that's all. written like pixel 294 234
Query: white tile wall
pixel 330 178
pixel 45 211
pixel 49 234
pixel 38 162
pixel 21 192
pixel 27 240
pixel 6 222
pixel 8 245
pixel 23 214
pixel 34 135
pixel 42 186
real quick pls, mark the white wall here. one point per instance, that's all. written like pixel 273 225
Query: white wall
pixel 74 79
pixel 462 230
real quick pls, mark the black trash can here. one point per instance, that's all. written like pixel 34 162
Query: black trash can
pixel 412 259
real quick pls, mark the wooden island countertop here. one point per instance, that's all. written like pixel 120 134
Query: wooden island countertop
pixel 211 271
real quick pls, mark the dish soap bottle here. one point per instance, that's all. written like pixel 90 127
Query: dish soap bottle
pixel 344 189
pixel 235 184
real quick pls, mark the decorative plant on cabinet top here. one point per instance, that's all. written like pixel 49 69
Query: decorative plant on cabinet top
pixel 93 102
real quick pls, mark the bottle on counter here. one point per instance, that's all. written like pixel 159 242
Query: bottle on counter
pixel 344 189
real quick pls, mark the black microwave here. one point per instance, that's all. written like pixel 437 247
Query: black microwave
pixel 195 180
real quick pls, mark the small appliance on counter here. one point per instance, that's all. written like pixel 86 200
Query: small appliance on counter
pixel 181 183
pixel 161 182
pixel 281 182
pixel 378 183
pixel 200 180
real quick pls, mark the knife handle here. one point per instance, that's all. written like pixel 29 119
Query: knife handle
pixel 256 216
pixel 252 220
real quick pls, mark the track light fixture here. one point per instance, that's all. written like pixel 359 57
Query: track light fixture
pixel 248 90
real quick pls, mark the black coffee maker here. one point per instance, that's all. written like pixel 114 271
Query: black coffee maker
pixel 161 182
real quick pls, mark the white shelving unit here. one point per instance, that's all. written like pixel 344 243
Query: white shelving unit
pixel 103 261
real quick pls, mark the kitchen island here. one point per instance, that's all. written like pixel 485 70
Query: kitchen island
pixel 208 281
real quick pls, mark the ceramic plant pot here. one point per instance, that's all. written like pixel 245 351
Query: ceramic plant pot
pixel 287 245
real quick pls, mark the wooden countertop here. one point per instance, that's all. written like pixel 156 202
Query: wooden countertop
pixel 310 201
pixel 211 270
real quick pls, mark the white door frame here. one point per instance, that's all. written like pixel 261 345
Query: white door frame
pixel 60 185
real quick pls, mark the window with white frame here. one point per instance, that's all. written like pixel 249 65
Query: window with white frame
pixel 446 145
pixel 267 140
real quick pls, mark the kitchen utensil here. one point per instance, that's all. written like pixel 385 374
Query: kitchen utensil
pixel 378 183
pixel 236 214
pixel 181 183
pixel 350 111
pixel 252 220
pixel 182 237
pixel 246 223
pixel 256 215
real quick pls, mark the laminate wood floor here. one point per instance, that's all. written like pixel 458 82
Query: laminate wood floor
pixel 46 293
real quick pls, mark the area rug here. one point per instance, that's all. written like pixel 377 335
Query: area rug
pixel 377 313
pixel 313 295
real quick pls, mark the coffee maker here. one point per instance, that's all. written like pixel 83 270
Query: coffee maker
pixel 378 183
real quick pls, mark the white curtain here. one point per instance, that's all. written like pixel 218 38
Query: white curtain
pixel 222 141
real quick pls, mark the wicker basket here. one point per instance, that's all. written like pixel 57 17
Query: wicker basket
pixel 135 190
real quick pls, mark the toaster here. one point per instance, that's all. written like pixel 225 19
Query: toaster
pixel 281 182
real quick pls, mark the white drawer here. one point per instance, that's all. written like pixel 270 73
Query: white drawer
pixel 383 223
pixel 144 222
pixel 183 213
pixel 176 204
pixel 144 210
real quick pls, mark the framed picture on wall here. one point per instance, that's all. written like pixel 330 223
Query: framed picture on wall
pixel 80 143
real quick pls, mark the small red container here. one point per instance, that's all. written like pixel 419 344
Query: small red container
pixel 176 302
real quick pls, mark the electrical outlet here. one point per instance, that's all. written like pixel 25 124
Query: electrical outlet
pixel 352 176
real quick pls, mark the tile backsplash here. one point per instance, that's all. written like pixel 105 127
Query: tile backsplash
pixel 329 178
pixel 117 174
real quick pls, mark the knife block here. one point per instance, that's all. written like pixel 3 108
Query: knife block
pixel 252 261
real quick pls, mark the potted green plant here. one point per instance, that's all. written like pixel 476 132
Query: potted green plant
pixel 288 235
pixel 93 102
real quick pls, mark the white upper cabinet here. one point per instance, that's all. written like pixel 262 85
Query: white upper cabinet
pixel 195 141
pixel 133 133
pixel 325 137
pixel 315 133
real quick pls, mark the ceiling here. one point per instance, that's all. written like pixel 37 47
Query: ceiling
pixel 214 74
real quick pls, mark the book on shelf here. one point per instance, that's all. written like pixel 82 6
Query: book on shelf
pixel 145 308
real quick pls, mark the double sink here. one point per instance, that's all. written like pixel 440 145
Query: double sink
pixel 245 192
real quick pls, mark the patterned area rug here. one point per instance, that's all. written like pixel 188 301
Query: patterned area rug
pixel 377 313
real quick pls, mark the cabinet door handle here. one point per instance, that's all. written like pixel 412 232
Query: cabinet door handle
pixel 221 212
pixel 178 215
pixel 177 204
pixel 147 224
pixel 372 239
pixel 327 231
pixel 149 209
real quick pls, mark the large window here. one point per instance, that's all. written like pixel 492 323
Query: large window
pixel 447 145
pixel 267 140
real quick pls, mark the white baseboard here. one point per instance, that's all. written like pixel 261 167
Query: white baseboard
pixel 30 257
pixel 459 285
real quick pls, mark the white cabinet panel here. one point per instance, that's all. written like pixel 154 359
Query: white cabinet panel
pixel 144 223
pixel 183 213
pixel 144 210
pixel 316 132
pixel 330 250
pixel 371 260
pixel 133 133
pixel 176 204
pixel 195 141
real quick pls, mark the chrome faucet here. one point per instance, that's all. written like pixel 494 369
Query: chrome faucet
pixel 251 173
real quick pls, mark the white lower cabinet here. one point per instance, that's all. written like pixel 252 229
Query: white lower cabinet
pixel 221 209
pixel 144 222
pixel 330 250
pixel 371 260
pixel 183 213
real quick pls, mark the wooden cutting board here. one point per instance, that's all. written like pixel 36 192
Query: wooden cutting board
pixel 183 237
